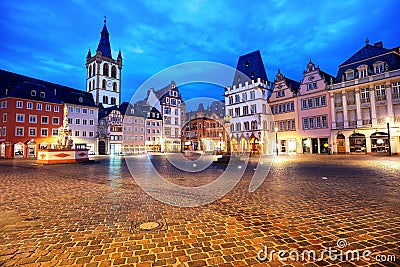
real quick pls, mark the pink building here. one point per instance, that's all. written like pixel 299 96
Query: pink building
pixel 283 105
pixel 134 129
pixel 314 111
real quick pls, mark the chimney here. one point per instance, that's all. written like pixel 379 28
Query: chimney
pixel 6 91
pixel 55 91
pixel 378 44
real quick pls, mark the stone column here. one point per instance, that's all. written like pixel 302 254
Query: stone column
pixel 358 108
pixel 373 105
pixel 344 105
pixel 333 113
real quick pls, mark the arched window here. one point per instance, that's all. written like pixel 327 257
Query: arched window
pixel 238 127
pixel 90 85
pixel 103 84
pixel 105 99
pixel 113 72
pixel 254 125
pixel 113 101
pixel 114 86
pixel 246 125
pixel 90 71
pixel 94 69
pixel 105 69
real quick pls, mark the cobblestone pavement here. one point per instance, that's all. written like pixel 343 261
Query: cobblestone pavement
pixel 88 215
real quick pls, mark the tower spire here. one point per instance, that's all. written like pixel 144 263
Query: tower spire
pixel 104 45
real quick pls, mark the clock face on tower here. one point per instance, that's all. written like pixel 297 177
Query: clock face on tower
pixel 109 83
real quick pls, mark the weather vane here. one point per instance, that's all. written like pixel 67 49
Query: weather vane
pixel 105 19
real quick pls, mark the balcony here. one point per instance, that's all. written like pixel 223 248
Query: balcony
pixel 366 122
pixel 365 100
pixel 339 125
pixel 352 124
pixel 381 121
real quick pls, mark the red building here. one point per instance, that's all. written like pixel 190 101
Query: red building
pixel 203 134
pixel 30 118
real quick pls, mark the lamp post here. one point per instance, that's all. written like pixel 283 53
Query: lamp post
pixel 276 140
pixel 220 145
pixel 388 129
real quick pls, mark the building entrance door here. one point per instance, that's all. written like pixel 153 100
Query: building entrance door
pixel 340 144
pixel 314 144
pixel 102 148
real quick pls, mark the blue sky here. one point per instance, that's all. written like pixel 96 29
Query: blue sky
pixel 49 40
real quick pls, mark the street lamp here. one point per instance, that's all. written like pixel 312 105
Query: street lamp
pixel 388 129
pixel 276 140
pixel 220 145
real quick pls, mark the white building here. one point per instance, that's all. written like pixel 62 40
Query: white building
pixel 82 118
pixel 365 102
pixel 246 106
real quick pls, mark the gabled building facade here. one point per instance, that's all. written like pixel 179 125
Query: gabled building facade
pixel 204 129
pixel 168 101
pixel 109 135
pixel 283 105
pixel 314 111
pixel 154 130
pixel 365 102
pixel 134 128
pixel 246 106
pixel 103 73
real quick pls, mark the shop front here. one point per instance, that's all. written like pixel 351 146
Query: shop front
pixel 292 147
pixel 31 148
pixel 379 143
pixel 358 143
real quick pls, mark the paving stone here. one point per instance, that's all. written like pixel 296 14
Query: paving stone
pixel 82 214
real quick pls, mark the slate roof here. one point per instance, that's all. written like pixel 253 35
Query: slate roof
pixel 140 109
pixel 216 107
pixel 104 44
pixel 252 66
pixel 368 55
pixel 366 52
pixel 326 76
pixel 107 111
pixel 293 85
pixel 20 86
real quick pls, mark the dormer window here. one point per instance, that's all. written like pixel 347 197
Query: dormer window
pixel 379 67
pixel 42 94
pixel 33 92
pixel 80 99
pixel 252 75
pixel 280 93
pixel 247 63
pixel 349 74
pixel 362 71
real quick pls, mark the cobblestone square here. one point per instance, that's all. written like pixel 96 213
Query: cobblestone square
pixel 93 214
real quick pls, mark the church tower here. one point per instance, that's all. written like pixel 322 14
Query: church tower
pixel 103 73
